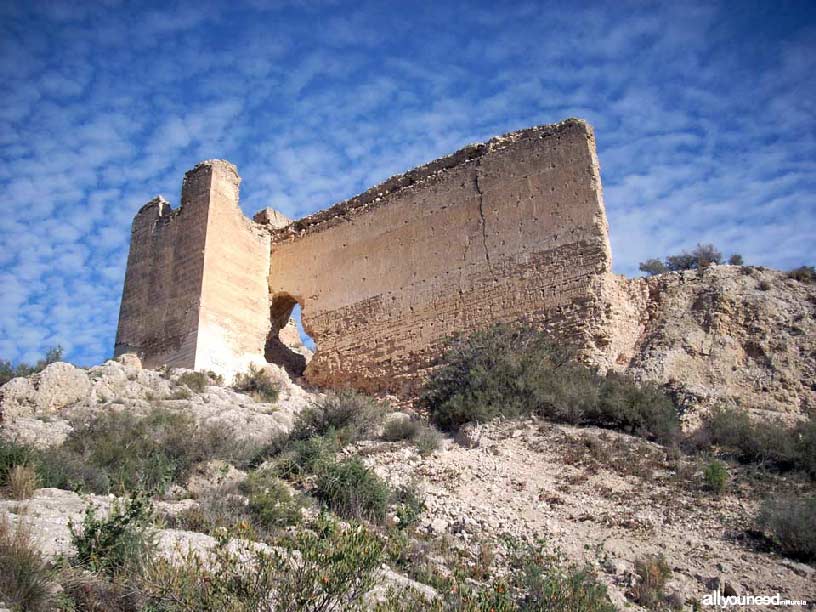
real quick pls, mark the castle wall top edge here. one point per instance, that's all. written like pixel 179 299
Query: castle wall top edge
pixel 423 173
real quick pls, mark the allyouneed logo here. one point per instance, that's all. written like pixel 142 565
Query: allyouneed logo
pixel 724 601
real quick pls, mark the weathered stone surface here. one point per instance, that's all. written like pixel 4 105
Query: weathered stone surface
pixel 195 291
pixel 58 385
pixel 513 228
pixel 724 335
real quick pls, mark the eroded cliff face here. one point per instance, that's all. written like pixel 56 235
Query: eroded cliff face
pixel 743 336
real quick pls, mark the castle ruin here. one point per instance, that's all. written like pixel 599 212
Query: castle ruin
pixel 511 229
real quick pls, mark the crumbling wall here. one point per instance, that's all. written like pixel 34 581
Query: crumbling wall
pixel 511 229
pixel 195 293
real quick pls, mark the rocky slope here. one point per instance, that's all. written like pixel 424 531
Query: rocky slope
pixel 723 335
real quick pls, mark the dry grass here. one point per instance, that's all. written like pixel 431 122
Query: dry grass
pixel 25 578
pixel 22 481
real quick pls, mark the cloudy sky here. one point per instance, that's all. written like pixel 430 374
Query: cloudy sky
pixel 704 116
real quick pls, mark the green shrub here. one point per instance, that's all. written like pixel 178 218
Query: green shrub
pixel 791 525
pixel 765 442
pixel 736 260
pixel 352 490
pixel 410 505
pixel 119 540
pixel 195 381
pixel 537 581
pixel 118 450
pixel 333 569
pixel 25 577
pixel 652 572
pixel 427 440
pixel 258 385
pixel 9 371
pixel 397 429
pixel 304 457
pixel 652 267
pixel 13 454
pixel 716 477
pixel 513 371
pixel 348 414
pixel 804 274
pixel 270 501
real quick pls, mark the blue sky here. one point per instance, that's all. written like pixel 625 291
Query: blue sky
pixel 705 117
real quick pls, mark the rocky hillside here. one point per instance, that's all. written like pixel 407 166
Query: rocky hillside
pixel 742 336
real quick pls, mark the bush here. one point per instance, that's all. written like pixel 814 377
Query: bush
pixel 537 581
pixel 397 429
pixel 122 451
pixel 716 477
pixel 271 503
pixel 804 274
pixel 652 572
pixel 765 442
pixel 333 569
pixel 652 267
pixel 513 371
pixel 702 256
pixel 25 578
pixel 120 540
pixel 9 371
pixel 22 481
pixel 353 491
pixel 195 381
pixel 427 440
pixel 12 454
pixel 348 415
pixel 791 525
pixel 258 385
pixel 410 505
pixel 304 457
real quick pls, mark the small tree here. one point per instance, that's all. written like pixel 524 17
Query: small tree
pixel 683 261
pixel 652 267
pixel 705 255
pixel 736 260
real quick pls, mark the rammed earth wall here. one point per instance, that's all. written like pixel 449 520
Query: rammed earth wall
pixel 510 229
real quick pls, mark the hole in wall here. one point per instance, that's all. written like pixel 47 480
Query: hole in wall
pixel 288 345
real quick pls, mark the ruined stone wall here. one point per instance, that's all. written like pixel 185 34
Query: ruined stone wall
pixel 514 228
pixel 195 293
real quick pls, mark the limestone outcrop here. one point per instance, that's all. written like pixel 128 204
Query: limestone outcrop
pixel 734 335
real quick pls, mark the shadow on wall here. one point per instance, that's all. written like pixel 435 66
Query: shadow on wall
pixel 288 345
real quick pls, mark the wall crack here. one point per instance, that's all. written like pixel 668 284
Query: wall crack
pixel 481 211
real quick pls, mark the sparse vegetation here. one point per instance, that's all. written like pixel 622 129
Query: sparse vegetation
pixel 9 371
pixel 804 274
pixel 258 385
pixel 118 541
pixel 716 477
pixel 514 371
pixel 196 382
pixel 652 573
pixel 702 256
pixel 426 438
pixel 790 523
pixel 25 577
pixel 271 503
pixel 119 451
pixel 347 415
pixel 397 429
pixel 22 481
pixel 352 490
pixel 766 442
